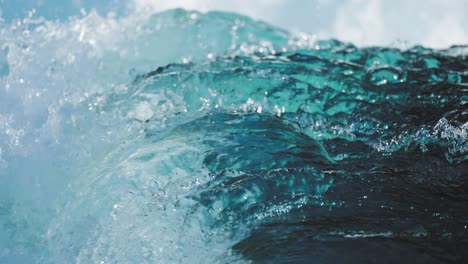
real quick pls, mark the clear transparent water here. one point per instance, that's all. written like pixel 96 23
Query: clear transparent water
pixel 184 137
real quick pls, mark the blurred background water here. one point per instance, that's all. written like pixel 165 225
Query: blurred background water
pixel 431 23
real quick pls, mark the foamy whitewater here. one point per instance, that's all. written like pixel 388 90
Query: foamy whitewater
pixel 188 137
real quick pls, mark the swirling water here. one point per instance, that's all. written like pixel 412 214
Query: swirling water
pixel 184 137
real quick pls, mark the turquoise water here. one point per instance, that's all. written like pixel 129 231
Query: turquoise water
pixel 184 137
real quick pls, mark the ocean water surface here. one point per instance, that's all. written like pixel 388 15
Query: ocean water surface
pixel 188 137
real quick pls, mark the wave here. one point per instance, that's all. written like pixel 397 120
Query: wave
pixel 210 137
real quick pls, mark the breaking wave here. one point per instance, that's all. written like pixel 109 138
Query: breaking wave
pixel 187 137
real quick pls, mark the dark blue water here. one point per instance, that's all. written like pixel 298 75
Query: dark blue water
pixel 213 138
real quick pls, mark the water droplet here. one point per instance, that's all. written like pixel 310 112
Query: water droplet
pixel 384 75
